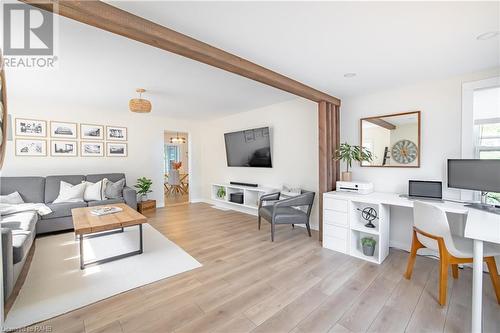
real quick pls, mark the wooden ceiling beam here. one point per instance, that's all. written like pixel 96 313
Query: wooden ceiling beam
pixel 381 123
pixel 104 16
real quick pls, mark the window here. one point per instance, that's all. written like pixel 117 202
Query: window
pixel 172 154
pixel 487 128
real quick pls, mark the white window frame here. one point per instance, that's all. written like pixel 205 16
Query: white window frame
pixel 469 137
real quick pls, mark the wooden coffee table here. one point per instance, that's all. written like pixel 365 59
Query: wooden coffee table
pixel 88 225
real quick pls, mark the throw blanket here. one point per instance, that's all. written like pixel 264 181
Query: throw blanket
pixel 40 208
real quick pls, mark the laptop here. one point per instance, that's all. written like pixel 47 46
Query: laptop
pixel 425 190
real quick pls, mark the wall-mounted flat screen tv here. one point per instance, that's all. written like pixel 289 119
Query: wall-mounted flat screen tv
pixel 249 148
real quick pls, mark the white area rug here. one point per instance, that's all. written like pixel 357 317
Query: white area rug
pixel 56 285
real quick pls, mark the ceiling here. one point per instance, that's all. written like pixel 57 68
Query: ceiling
pixel 387 44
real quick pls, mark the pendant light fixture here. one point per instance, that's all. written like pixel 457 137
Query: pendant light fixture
pixel 139 105
pixel 177 139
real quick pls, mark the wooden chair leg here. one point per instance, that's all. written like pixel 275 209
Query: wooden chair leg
pixel 415 245
pixel 492 267
pixel 443 280
pixel 272 232
pixel 454 270
pixel 258 219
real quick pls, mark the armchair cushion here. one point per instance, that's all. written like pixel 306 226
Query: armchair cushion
pixel 284 215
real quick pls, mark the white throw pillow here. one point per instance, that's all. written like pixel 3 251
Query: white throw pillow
pixel 94 191
pixel 11 199
pixel 70 193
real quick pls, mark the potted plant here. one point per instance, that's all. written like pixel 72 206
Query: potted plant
pixel 144 187
pixel 221 192
pixel 347 154
pixel 368 245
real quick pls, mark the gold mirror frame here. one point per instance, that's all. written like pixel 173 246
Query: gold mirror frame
pixel 419 144
pixel 5 119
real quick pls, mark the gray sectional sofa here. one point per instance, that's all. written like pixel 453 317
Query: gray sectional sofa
pixel 19 230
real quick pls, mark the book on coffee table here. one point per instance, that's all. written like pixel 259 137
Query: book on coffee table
pixel 105 210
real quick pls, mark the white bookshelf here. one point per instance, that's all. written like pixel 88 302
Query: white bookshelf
pixel 343 226
pixel 251 196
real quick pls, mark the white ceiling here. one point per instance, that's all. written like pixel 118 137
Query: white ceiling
pixel 387 44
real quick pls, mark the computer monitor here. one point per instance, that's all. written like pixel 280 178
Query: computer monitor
pixel 425 189
pixel 476 175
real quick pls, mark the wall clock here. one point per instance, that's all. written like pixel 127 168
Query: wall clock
pixel 404 152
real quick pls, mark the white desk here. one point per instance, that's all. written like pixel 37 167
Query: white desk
pixel 342 229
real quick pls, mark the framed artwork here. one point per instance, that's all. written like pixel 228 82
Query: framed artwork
pixel 31 127
pixel 91 132
pixel 114 133
pixel 92 149
pixel 63 148
pixel 63 130
pixel 116 149
pixel 31 147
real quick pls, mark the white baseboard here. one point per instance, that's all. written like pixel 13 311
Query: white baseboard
pixel 407 247
pixel 196 200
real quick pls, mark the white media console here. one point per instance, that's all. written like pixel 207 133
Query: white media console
pixel 251 196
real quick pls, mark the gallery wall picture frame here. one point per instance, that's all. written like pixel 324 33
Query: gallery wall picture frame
pixel 31 127
pixel 63 148
pixel 116 133
pixel 92 149
pixel 31 147
pixel 63 130
pixel 91 132
pixel 116 149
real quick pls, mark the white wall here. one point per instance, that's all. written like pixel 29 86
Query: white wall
pixel 294 140
pixel 145 144
pixel 441 105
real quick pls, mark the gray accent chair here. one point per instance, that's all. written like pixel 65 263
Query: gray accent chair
pixel 18 230
pixel 285 211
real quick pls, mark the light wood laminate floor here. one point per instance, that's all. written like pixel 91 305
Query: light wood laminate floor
pixel 248 284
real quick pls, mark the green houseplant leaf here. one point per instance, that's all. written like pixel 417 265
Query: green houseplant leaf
pixel 221 192
pixel 348 153
pixel 143 185
pixel 368 241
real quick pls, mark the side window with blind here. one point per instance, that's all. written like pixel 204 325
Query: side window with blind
pixel 487 128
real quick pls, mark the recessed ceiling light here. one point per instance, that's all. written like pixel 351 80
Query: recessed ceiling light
pixel 349 75
pixel 488 35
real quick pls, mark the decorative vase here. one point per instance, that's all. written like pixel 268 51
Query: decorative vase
pixel 144 197
pixel 347 176
pixel 368 250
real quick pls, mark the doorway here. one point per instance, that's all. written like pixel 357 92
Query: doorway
pixel 176 168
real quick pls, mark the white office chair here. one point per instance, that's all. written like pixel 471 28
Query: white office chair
pixel 431 230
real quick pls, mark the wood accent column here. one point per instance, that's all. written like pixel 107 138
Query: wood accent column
pixel 329 140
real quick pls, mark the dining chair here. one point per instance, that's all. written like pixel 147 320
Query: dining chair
pixel 431 230
pixel 174 183
pixel 185 182
pixel 165 183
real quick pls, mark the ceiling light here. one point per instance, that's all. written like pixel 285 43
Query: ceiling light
pixel 139 105
pixel 349 75
pixel 488 35
pixel 177 139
